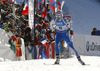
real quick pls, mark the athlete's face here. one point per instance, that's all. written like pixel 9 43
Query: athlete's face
pixel 58 17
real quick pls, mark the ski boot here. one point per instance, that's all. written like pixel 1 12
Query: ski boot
pixel 79 59
pixel 57 59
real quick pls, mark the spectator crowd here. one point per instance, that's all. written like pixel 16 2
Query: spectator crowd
pixel 18 25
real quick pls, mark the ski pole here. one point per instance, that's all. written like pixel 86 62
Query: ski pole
pixel 78 45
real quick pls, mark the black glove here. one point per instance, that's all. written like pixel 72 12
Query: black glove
pixel 71 32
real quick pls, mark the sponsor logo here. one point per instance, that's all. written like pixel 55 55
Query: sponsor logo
pixel 59 23
pixel 92 47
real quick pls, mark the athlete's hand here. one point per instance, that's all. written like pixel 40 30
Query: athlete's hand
pixel 68 29
pixel 71 32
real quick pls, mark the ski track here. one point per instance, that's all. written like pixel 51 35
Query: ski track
pixel 69 64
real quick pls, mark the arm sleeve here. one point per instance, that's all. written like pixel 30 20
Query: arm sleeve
pixel 69 22
pixel 71 25
pixel 65 19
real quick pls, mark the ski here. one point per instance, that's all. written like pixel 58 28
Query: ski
pixel 51 64
pixel 56 64
pixel 61 64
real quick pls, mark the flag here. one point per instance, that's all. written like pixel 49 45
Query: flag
pixel 36 5
pixel 68 16
pixel 12 0
pixel 60 4
pixel 52 5
pixel 44 13
pixel 44 41
pixel 52 1
pixel 41 1
pixel 25 9
pixel 44 55
pixel 4 1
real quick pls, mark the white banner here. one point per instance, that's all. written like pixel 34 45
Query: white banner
pixel 5 51
pixel 31 13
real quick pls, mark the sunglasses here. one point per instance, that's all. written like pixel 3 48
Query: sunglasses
pixel 58 16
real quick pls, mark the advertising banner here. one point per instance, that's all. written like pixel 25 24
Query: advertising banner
pixel 92 45
pixel 87 44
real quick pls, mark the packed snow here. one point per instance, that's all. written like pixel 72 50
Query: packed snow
pixel 69 64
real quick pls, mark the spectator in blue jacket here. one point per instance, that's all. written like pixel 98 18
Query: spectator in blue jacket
pixel 94 31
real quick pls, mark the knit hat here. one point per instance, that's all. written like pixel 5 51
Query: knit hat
pixel 59 13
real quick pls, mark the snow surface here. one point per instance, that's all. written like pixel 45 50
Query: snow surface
pixel 70 64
